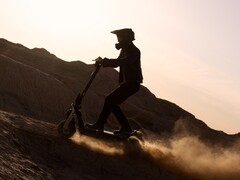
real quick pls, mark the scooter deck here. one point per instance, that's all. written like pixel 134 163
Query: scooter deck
pixel 105 134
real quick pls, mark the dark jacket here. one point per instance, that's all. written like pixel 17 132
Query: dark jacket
pixel 130 65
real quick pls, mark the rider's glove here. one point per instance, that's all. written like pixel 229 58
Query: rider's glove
pixel 98 62
pixel 104 61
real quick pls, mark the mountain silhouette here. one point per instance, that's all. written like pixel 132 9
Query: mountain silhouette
pixel 36 90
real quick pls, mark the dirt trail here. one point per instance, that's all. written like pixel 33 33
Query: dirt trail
pixel 31 149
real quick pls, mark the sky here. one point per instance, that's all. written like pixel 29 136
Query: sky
pixel 189 48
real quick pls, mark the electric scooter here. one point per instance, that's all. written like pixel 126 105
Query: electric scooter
pixel 67 128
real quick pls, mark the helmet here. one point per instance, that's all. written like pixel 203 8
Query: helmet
pixel 125 33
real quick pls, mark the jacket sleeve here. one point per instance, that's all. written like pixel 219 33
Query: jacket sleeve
pixel 128 59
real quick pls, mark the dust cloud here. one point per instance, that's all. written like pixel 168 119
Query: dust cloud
pixel 186 155
pixel 190 156
pixel 110 148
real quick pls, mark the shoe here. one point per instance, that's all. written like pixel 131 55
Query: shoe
pixel 94 127
pixel 123 132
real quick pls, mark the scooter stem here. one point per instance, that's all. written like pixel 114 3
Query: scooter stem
pixel 80 97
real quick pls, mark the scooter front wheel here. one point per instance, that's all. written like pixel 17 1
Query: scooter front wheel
pixel 66 132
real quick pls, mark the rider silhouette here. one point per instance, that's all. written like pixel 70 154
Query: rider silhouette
pixel 130 78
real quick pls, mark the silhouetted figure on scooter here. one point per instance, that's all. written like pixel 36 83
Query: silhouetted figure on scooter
pixel 130 78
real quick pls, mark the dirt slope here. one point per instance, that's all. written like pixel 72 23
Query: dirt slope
pixel 31 149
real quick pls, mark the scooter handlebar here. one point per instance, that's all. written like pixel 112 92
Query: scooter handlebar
pixel 98 61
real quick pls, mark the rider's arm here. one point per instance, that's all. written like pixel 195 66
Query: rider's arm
pixel 122 60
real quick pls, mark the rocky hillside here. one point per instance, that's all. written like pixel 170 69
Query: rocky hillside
pixel 36 88
pixel 38 84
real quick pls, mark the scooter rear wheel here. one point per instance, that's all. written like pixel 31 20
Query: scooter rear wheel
pixel 66 133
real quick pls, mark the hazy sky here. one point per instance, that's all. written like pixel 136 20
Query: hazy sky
pixel 190 48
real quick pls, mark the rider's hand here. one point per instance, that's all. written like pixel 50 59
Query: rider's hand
pixel 98 61
pixel 104 60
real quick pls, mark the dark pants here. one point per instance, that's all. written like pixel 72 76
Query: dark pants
pixel 113 101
